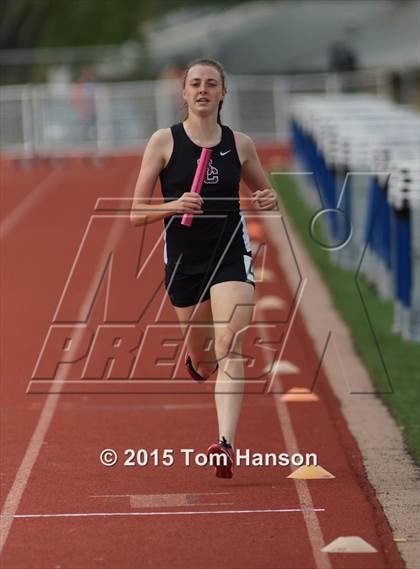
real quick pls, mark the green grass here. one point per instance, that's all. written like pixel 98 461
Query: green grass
pixel 391 362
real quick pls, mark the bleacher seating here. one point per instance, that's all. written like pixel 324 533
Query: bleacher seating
pixel 364 154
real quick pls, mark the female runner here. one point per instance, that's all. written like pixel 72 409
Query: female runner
pixel 208 266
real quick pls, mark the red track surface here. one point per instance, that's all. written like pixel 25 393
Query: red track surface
pixel 66 477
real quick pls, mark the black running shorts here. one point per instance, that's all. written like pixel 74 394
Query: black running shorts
pixel 190 289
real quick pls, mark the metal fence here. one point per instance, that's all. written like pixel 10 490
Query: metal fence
pixel 61 118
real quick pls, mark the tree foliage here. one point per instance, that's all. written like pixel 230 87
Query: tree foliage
pixel 28 24
pixel 57 23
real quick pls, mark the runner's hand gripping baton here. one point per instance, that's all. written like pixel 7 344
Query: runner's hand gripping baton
pixel 198 181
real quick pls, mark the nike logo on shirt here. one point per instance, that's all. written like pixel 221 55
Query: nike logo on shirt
pixel 224 153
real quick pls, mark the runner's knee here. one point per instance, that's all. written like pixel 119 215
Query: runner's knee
pixel 227 342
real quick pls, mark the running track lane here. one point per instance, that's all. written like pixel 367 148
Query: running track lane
pixel 67 476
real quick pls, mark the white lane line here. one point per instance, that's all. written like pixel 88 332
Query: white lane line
pixel 313 527
pixel 129 495
pixel 286 337
pixel 14 497
pixel 315 535
pixel 180 513
pixel 35 194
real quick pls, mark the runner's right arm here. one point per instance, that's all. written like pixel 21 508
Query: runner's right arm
pixel 142 211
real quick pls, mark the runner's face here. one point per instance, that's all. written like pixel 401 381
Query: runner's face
pixel 203 90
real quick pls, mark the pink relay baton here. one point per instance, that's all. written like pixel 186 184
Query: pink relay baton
pixel 198 181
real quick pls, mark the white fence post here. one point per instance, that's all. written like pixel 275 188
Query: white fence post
pixel 281 96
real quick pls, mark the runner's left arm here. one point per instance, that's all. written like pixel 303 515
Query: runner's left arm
pixel 254 176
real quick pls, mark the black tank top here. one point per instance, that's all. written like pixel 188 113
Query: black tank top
pixel 221 227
